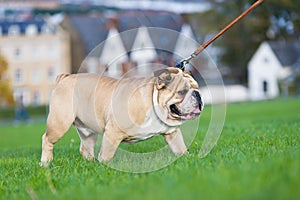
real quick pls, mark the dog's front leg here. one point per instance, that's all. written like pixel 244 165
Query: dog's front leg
pixel 110 143
pixel 176 142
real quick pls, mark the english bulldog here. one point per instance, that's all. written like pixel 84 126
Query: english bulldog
pixel 127 110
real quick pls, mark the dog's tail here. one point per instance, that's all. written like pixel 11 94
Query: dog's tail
pixel 61 77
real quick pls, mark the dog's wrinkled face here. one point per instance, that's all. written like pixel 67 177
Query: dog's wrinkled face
pixel 178 96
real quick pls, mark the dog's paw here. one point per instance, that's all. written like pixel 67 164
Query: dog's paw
pixel 104 160
pixel 44 164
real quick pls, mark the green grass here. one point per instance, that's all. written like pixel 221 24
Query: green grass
pixel 257 157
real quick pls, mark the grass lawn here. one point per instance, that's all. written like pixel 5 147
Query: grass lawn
pixel 257 157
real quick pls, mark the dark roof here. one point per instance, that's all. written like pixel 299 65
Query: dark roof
pixel 134 19
pixel 93 29
pixel 287 52
pixel 21 24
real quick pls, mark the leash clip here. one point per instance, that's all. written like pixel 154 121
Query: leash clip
pixel 181 65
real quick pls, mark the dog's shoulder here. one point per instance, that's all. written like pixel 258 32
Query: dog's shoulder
pixel 61 77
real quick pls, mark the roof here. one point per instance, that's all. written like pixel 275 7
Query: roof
pixel 135 19
pixel 287 52
pixel 21 24
pixel 93 29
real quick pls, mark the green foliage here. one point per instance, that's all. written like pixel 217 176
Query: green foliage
pixel 257 157
pixel 6 96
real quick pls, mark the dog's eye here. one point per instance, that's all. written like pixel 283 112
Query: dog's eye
pixel 182 92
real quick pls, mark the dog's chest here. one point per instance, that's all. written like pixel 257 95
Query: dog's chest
pixel 152 126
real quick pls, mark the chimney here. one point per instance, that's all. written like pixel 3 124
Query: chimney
pixel 112 21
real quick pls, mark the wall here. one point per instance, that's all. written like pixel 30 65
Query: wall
pixel 34 62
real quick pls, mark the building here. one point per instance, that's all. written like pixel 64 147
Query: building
pixel 135 38
pixel 274 67
pixel 36 52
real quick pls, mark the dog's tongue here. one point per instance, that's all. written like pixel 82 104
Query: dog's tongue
pixel 197 111
pixel 188 116
pixel 192 115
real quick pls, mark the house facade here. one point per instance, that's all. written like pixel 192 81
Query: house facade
pixel 36 52
pixel 272 68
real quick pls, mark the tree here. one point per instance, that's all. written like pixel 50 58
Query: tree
pixel 273 19
pixel 6 96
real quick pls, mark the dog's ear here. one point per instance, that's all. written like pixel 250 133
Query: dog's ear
pixel 188 72
pixel 164 78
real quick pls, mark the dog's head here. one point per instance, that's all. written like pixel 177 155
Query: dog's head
pixel 177 97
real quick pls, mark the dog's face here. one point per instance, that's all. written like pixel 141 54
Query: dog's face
pixel 178 96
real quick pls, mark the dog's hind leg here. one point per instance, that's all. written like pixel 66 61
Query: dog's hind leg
pixel 88 139
pixel 52 135
pixel 57 126
pixel 60 118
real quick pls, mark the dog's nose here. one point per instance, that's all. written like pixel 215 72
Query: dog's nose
pixel 198 97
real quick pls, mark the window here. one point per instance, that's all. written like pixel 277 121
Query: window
pixel 51 74
pixel 266 59
pixel 265 86
pixel 17 53
pixel 31 29
pixel 36 98
pixel 18 76
pixel 14 30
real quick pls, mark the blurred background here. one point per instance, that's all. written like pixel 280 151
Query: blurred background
pixel 259 58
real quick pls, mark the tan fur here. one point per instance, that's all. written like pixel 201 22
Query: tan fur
pixel 127 110
pixel 60 77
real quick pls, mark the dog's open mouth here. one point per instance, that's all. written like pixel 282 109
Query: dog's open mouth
pixel 178 114
pixel 175 110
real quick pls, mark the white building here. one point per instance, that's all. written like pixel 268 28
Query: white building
pixel 143 50
pixel 113 53
pixel 271 66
